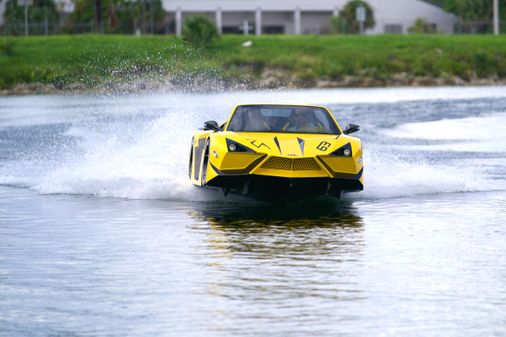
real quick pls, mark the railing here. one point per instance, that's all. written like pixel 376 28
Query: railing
pixel 477 27
pixel 46 28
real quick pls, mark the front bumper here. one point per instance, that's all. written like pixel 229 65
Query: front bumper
pixel 270 188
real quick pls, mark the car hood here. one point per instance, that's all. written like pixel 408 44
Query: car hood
pixel 290 144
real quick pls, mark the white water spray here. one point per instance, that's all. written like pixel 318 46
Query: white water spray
pixel 137 146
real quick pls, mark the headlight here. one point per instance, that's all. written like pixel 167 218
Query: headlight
pixel 234 146
pixel 343 151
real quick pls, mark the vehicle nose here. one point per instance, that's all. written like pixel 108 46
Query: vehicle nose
pixel 290 147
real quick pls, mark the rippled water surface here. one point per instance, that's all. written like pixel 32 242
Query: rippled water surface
pixel 101 233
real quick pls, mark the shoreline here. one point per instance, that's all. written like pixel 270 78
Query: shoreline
pixel 217 85
pixel 115 63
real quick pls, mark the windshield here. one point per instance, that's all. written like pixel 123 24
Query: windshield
pixel 279 118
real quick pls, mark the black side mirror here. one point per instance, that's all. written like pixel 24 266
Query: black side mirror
pixel 212 125
pixel 351 128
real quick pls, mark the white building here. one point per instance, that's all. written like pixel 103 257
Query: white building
pixel 303 16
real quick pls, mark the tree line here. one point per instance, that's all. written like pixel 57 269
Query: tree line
pixel 471 10
pixel 112 16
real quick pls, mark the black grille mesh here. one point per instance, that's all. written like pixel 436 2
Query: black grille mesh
pixel 287 164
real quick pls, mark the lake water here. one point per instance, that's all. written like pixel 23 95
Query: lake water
pixel 102 234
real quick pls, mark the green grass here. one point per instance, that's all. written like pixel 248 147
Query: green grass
pixel 91 59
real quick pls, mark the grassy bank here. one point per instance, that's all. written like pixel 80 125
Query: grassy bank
pixel 86 61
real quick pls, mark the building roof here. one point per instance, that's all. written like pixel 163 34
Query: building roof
pixel 438 3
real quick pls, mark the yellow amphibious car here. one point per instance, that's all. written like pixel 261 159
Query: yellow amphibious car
pixel 277 153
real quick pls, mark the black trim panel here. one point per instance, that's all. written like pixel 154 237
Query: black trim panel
pixel 218 172
pixel 199 150
pixel 275 189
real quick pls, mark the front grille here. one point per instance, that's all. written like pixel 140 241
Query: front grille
pixel 287 164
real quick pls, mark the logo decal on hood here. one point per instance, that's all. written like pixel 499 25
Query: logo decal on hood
pixel 254 142
pixel 323 146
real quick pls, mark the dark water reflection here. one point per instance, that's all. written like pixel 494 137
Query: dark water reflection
pixel 278 261
pixel 289 231
pixel 320 212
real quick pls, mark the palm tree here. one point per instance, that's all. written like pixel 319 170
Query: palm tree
pixel 98 16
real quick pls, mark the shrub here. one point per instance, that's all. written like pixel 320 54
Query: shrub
pixel 348 16
pixel 7 47
pixel 200 32
pixel 338 24
pixel 421 26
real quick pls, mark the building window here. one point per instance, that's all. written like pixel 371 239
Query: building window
pixel 237 30
pixel 393 29
pixel 273 30
pixel 231 30
pixel 312 31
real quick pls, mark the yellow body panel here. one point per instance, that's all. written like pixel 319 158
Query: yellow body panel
pixel 236 161
pixel 288 148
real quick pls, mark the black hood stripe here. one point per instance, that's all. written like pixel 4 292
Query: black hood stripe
pixel 301 144
pixel 277 144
